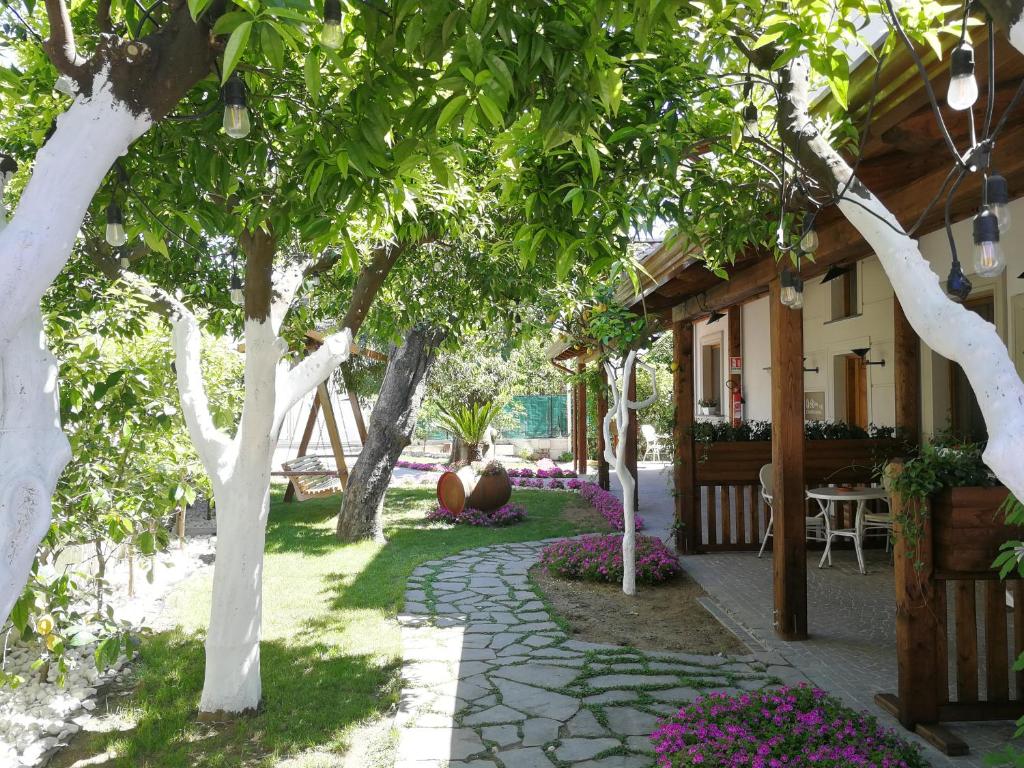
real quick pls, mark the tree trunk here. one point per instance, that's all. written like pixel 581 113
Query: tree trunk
pixel 391 426
pixel 232 684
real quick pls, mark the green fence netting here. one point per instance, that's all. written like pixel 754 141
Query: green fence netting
pixel 529 416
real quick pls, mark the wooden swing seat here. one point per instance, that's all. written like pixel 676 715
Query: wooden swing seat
pixel 311 478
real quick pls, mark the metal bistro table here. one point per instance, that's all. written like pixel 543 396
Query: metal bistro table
pixel 827 498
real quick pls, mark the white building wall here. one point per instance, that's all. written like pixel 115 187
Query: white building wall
pixel 872 326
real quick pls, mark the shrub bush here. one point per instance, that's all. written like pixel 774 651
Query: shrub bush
pixel 793 727
pixel 599 558
pixel 509 514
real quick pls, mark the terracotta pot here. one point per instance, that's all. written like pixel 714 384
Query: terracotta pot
pixel 491 492
pixel 453 488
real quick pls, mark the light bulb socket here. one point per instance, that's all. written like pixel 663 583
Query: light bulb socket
pixel 233 92
pixel 996 190
pixel 332 11
pixel 790 279
pixel 114 215
pixel 986 227
pixel 961 61
pixel 750 114
pixel 957 284
pixel 236 282
pixel 7 165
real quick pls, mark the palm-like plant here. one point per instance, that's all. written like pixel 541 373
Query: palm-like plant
pixel 469 423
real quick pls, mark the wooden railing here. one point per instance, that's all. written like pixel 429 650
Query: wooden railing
pixel 940 625
pixel 727 510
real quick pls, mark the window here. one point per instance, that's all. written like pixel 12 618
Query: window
pixel 711 370
pixel 844 294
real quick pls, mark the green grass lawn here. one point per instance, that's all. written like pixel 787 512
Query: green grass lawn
pixel 331 649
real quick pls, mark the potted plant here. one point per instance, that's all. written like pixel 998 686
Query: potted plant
pixel 708 407
pixel 493 488
pixel 469 423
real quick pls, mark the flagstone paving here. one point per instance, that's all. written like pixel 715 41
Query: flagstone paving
pixel 492 681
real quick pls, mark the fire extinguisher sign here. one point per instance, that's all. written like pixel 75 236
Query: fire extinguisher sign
pixel 736 364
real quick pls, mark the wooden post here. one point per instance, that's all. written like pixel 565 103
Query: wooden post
pixel 632 439
pixel 907 376
pixel 353 400
pixel 685 465
pixel 735 347
pixel 916 617
pixel 603 473
pixel 581 419
pixel 307 435
pixel 789 548
pixel 337 446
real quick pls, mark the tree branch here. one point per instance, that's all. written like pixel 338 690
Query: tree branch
pixel 60 45
pixel 103 16
pixel 316 367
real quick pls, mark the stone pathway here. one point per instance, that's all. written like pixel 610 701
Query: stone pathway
pixel 492 681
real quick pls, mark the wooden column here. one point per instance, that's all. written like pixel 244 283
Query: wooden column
pixel 789 547
pixel 353 399
pixel 337 447
pixel 735 350
pixel 632 439
pixel 581 420
pixel 917 611
pixel 685 466
pixel 603 473
pixel 907 375
pixel 307 435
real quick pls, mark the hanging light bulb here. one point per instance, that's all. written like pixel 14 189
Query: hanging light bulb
pixel 330 33
pixel 957 284
pixel 124 261
pixel 237 295
pixel 792 293
pixel 750 121
pixel 115 234
pixel 236 113
pixel 809 241
pixel 997 193
pixel 963 88
pixel 988 255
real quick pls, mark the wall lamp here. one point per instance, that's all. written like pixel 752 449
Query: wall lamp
pixel 834 273
pixel 714 317
pixel 862 353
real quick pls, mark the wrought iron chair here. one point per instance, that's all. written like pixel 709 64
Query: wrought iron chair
pixel 816 524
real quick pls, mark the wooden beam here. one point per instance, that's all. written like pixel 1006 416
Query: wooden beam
pixel 687 513
pixel 337 447
pixel 633 440
pixel 916 616
pixel 735 347
pixel 789 547
pixel 353 400
pixel 907 375
pixel 307 435
pixel 603 469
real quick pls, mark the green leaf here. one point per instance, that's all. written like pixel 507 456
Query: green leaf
pixel 311 72
pixel 156 243
pixel 227 23
pixel 478 16
pixel 21 610
pixel 595 161
pixel 451 109
pixel 491 110
pixel 474 47
pixel 286 13
pixel 235 48
pixel 770 37
pixel 273 46
pixel 196 8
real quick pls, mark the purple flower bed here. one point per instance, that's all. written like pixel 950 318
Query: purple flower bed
pixel 509 514
pixel 421 466
pixel 599 558
pixel 608 504
pixel 542 473
pixel 791 727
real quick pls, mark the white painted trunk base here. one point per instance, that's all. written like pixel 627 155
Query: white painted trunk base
pixel 34 246
pixel 619 412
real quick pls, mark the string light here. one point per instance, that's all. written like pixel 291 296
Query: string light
pixel 236 111
pixel 809 241
pixel 963 87
pixel 115 234
pixel 237 295
pixel 330 33
pixel 792 293
pixel 998 195
pixel 988 255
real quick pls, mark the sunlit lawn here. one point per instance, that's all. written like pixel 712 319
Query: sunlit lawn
pixel 331 648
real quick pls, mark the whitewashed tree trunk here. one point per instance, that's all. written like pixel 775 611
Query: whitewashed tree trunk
pixel 619 413
pixel 949 328
pixel 240 470
pixel 34 247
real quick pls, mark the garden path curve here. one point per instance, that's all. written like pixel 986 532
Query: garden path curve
pixel 490 680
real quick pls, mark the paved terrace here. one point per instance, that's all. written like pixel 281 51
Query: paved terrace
pixel 852 650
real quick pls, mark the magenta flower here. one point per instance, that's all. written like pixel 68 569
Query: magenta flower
pixel 599 558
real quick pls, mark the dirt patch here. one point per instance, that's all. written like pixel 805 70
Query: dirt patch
pixel 583 516
pixel 663 618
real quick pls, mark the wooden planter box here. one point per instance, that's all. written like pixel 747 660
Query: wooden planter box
pixel 967 530
pixel 825 461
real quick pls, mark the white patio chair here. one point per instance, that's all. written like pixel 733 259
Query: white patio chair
pixel 815 523
pixel 652 442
